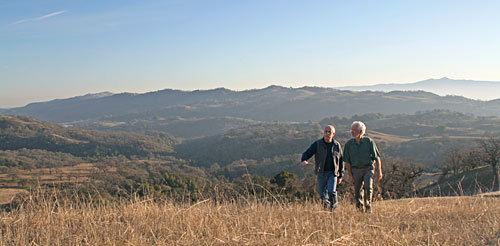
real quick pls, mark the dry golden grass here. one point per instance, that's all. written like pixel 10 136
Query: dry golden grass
pixel 426 221
pixel 6 195
pixel 385 137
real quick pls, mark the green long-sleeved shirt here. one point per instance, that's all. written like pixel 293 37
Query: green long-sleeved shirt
pixel 361 154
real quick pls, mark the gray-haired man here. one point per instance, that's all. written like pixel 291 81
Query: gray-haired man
pixel 360 153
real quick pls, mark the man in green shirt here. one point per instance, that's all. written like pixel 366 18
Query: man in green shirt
pixel 360 154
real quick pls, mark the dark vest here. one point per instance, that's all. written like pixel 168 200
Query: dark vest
pixel 320 156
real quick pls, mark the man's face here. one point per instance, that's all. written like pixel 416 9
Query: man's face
pixel 355 132
pixel 328 133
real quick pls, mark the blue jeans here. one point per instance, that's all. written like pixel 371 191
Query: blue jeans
pixel 327 186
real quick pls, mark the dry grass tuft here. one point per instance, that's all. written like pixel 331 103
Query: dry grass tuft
pixel 439 221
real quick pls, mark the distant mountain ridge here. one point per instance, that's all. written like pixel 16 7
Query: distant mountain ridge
pixel 483 90
pixel 74 99
pixel 273 103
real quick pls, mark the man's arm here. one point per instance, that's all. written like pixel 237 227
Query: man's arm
pixel 375 154
pixel 378 169
pixel 308 153
pixel 341 165
pixel 346 157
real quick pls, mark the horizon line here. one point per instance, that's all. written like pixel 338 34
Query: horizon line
pixel 248 89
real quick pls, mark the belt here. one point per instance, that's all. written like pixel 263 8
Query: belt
pixel 362 167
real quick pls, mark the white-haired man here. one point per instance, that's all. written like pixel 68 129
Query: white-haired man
pixel 360 155
pixel 329 167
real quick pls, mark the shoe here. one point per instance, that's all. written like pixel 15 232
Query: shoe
pixel 360 208
pixel 326 204
pixel 334 206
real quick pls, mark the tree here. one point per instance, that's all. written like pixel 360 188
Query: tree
pixel 491 147
pixel 288 185
pixel 459 160
pixel 453 162
pixel 399 178
pixel 284 179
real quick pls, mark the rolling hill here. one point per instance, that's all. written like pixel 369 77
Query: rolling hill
pixel 28 133
pixel 273 103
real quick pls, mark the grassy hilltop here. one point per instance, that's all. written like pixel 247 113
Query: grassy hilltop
pixel 151 186
pixel 419 221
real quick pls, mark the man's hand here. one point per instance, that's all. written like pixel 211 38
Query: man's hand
pixel 305 162
pixel 379 176
pixel 339 180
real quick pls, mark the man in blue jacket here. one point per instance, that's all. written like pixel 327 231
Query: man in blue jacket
pixel 329 166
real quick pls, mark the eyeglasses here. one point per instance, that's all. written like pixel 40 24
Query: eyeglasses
pixel 328 131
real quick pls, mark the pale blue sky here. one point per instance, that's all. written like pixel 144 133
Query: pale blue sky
pixel 58 49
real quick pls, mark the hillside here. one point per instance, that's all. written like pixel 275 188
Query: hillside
pixel 174 126
pixel 429 221
pixel 467 183
pixel 424 138
pixel 122 164
pixel 28 133
pixel 267 104
pixel 254 142
pixel 423 124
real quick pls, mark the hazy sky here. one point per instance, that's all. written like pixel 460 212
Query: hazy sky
pixel 58 49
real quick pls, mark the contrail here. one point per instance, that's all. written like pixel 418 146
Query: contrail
pixel 40 18
pixel 50 15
